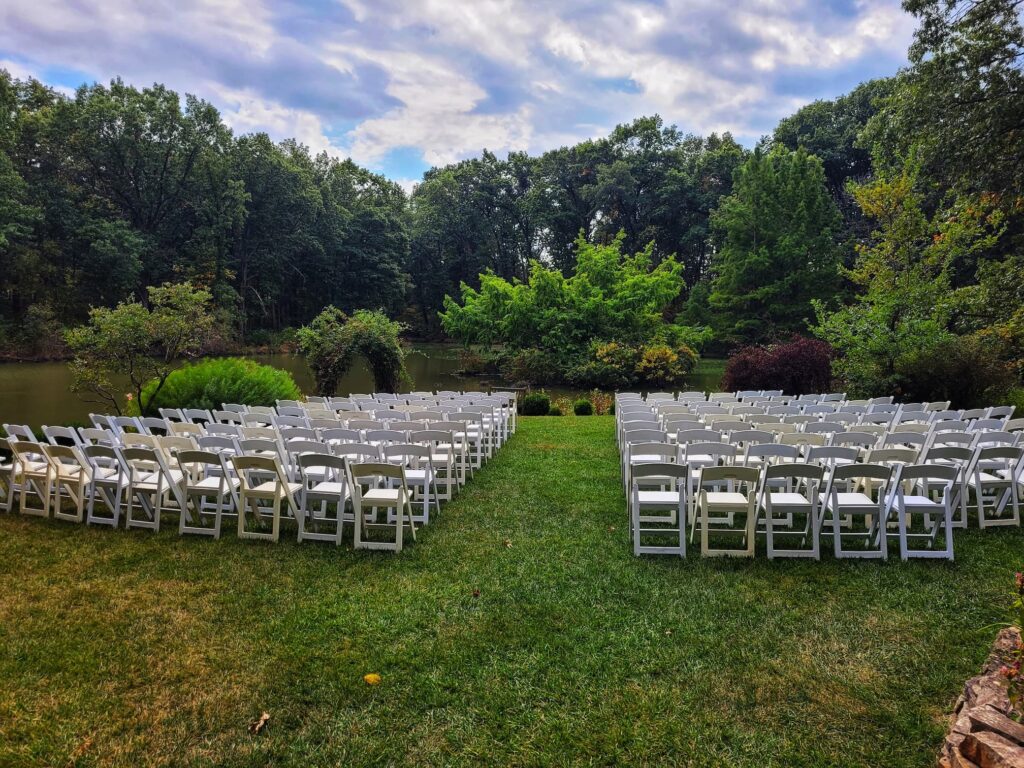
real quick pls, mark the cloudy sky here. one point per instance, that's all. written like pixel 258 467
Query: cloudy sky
pixel 400 86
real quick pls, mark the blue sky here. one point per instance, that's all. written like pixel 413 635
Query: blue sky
pixel 401 86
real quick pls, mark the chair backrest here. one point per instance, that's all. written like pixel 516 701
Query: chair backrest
pixel 771 453
pixel 1014 425
pixel 660 469
pixel 892 456
pixel 955 453
pixel 194 462
pixel 154 426
pixel 749 476
pixel 645 436
pixel 684 436
pixel 61 436
pixel 1001 412
pixel 985 424
pixel 20 432
pixel 200 415
pixel 258 433
pixel 830 455
pixel 803 438
pixel 340 435
pixel 950 425
pixel 223 430
pixel 751 437
pixel 259 445
pixel 909 472
pixel 306 461
pixel 291 421
pixel 227 417
pixel 174 443
pixel 824 428
pixel 171 414
pixel 794 470
pixel 861 439
pixel 909 439
pixel 96 436
pixel 847 472
pixel 371 470
pixel 184 429
pixel 972 414
pixel 131 440
pixel 668 453
pixel 715 451
pixel 297 433
pixel 218 443
pixel 296 448
pixel 357 450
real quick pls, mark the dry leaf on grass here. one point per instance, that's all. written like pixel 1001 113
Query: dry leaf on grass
pixel 258 725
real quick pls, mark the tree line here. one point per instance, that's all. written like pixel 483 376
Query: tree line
pixel 886 221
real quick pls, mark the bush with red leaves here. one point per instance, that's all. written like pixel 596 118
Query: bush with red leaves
pixel 798 367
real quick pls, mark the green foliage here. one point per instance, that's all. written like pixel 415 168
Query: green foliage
pixel 142 343
pixel 556 410
pixel 779 251
pixel 535 404
pixel 210 383
pixel 897 337
pixel 333 340
pixel 547 325
pixel 117 188
pixel 583 407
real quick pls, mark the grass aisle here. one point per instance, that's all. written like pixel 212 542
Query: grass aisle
pixel 132 649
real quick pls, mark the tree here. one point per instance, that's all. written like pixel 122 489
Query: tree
pixel 560 324
pixel 896 337
pixel 138 342
pixel 779 251
pixel 961 103
pixel 333 340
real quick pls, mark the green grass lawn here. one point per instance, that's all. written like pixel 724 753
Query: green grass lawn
pixel 131 649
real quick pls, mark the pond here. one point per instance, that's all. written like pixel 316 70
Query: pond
pixel 39 393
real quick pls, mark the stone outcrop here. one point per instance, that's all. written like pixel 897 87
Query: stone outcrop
pixel 982 733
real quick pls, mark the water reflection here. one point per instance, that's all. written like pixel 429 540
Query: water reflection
pixel 39 393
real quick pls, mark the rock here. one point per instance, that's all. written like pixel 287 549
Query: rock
pixel 988 719
pixel 990 750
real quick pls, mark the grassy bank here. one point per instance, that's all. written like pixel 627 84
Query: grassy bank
pixel 132 649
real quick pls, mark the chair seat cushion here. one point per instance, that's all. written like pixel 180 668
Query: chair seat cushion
pixel 668 498
pixel 382 496
pixel 785 498
pixel 726 498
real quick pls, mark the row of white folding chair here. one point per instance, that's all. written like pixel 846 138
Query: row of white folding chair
pixel 481 430
pixel 790 505
pixel 987 466
pixel 197 484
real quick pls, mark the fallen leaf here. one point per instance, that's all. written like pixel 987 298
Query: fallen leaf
pixel 476 593
pixel 258 725
pixel 372 679
pixel 508 543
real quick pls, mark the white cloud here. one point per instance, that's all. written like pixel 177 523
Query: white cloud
pixel 450 77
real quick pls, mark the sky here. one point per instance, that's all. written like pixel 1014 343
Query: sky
pixel 403 86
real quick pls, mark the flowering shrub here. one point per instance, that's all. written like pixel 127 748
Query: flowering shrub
pixel 603 402
pixel 801 366
pixel 1012 671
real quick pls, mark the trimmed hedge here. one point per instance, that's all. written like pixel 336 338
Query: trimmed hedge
pixel 536 404
pixel 583 407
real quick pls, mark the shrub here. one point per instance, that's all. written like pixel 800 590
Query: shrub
pixel 536 404
pixel 798 367
pixel 603 402
pixel 209 383
pixel 532 366
pixel 966 370
pixel 555 410
pixel 583 407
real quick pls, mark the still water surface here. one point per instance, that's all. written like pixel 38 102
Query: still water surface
pixel 39 393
